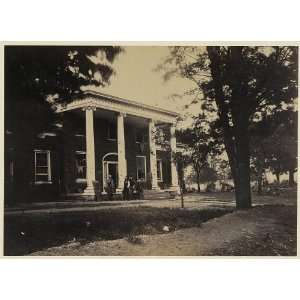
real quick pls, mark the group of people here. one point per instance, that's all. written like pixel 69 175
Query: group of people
pixel 131 189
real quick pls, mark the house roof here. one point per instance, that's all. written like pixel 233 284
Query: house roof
pixel 117 104
pixel 131 102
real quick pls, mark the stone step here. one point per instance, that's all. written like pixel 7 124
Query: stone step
pixel 158 194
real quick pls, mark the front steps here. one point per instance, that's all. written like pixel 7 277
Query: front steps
pixel 159 194
pixel 148 195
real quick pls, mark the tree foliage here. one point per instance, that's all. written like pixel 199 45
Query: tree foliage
pixel 274 145
pixel 37 76
pixel 238 84
pixel 201 142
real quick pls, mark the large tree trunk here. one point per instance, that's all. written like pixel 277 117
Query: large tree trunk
pixel 277 177
pixel 236 138
pixel 259 185
pixel 240 168
pixel 198 182
pixel 239 159
pixel 243 190
pixel 291 177
pixel 259 180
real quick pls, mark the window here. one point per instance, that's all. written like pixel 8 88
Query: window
pixel 112 131
pixel 80 162
pixel 42 166
pixel 141 168
pixel 159 170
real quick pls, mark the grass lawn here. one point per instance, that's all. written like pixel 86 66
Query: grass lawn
pixel 208 226
pixel 26 234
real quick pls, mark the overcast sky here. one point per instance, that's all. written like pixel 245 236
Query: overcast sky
pixel 136 79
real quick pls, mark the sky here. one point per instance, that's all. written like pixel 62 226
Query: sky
pixel 137 80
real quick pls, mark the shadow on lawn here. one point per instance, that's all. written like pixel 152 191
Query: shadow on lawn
pixel 27 234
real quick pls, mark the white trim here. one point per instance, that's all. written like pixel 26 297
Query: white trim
pixel 145 179
pixel 109 153
pixel 80 180
pixel 42 182
pixel 110 103
pixel 80 152
pixel 160 169
pixel 48 167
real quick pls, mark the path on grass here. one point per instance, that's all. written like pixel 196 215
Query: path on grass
pixel 263 230
pixel 191 201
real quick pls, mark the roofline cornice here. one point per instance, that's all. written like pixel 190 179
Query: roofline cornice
pixel 130 102
pixel 97 100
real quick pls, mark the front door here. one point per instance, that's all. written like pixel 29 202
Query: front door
pixel 113 171
pixel 111 168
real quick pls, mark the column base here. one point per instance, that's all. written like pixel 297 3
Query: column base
pixel 155 188
pixel 89 191
pixel 174 188
pixel 119 190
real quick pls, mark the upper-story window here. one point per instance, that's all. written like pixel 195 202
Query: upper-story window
pixel 42 166
pixel 112 131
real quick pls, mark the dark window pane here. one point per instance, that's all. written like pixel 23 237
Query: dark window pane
pixel 41 159
pixel 112 131
pixel 41 178
pixel 41 170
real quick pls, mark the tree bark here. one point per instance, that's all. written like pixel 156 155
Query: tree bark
pixel 198 183
pixel 236 138
pixel 242 188
pixel 277 177
pixel 259 181
pixel 291 177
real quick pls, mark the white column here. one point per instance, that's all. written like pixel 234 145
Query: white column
pixel 174 176
pixel 122 164
pixel 90 151
pixel 153 160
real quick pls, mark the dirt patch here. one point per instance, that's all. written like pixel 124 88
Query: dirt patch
pixel 27 234
pixel 274 233
pixel 264 230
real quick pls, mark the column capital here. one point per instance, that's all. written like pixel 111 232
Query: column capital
pixel 121 114
pixel 152 121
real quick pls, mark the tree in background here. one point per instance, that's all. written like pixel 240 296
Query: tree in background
pixel 274 146
pixel 201 142
pixel 238 84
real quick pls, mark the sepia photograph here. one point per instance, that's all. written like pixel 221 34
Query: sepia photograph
pixel 150 150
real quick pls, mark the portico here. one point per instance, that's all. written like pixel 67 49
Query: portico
pixel 136 155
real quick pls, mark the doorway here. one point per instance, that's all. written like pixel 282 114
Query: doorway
pixel 110 167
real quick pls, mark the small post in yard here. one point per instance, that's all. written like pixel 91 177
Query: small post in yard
pixel 180 161
pixel 180 176
pixel 181 196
